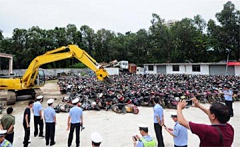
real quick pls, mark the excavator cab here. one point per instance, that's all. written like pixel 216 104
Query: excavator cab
pixel 40 80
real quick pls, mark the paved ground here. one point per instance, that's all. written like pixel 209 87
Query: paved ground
pixel 116 129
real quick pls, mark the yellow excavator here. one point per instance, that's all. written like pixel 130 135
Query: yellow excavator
pixel 34 78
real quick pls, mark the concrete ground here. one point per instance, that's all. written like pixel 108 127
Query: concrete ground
pixel 117 129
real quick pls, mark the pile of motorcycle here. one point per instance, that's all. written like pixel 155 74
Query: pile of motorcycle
pixel 131 90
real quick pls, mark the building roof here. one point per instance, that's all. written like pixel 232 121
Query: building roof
pixel 210 63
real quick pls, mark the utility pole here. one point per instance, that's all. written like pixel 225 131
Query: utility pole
pixel 227 60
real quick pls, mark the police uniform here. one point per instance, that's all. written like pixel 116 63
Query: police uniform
pixel 75 115
pixel 4 143
pixel 96 139
pixel 145 141
pixel 180 133
pixel 228 99
pixel 158 112
pixel 37 106
pixel 50 117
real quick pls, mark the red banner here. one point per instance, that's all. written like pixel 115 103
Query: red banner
pixel 233 63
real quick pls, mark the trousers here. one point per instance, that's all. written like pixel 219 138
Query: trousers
pixel 26 135
pixel 10 137
pixel 38 121
pixel 50 133
pixel 230 108
pixel 70 136
pixel 158 132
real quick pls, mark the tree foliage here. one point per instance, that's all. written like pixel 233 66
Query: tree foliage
pixel 187 40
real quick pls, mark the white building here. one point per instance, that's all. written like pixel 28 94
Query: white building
pixel 193 68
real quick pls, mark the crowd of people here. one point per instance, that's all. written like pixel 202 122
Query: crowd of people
pixel 75 121
pixel 219 133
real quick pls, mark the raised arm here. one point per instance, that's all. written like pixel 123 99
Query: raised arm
pixel 198 105
pixel 180 116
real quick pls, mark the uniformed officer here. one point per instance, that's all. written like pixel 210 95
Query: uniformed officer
pixel 146 140
pixel 75 120
pixel 96 139
pixel 228 97
pixel 50 121
pixel 158 119
pixel 3 141
pixel 38 116
pixel 179 132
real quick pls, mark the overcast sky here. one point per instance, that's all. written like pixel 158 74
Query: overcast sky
pixel 115 15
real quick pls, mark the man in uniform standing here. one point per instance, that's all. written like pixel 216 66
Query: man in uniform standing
pixel 26 123
pixel 38 116
pixel 228 98
pixel 50 120
pixel 75 120
pixel 179 132
pixel 7 123
pixel 158 121
pixel 3 141
pixel 146 140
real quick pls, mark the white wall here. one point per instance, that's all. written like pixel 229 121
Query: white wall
pixel 151 72
pixel 140 70
pixel 112 71
pixel 20 72
pixel 204 70
pixel 169 69
pixel 237 70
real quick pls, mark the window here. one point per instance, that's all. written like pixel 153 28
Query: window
pixel 150 67
pixel 175 67
pixel 196 68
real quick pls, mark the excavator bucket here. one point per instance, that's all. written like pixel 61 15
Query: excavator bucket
pixel 108 80
pixel 102 75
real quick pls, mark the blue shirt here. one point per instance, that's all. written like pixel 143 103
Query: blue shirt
pixel 158 111
pixel 181 135
pixel 75 114
pixel 2 144
pixel 49 114
pixel 226 96
pixel 140 143
pixel 37 106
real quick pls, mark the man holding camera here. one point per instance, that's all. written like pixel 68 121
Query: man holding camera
pixel 146 140
pixel 179 132
pixel 219 133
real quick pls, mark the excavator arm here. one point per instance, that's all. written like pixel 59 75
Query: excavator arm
pixel 74 51
pixel 28 85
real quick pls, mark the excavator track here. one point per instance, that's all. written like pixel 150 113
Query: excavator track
pixel 7 97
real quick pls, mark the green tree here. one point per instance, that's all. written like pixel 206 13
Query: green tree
pixel 102 47
pixel 160 41
pixel 225 37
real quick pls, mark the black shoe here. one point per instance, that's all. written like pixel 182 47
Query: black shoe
pixel 41 136
pixel 47 144
pixel 51 144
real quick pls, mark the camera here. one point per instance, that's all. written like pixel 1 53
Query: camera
pixel 189 103
pixel 134 138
